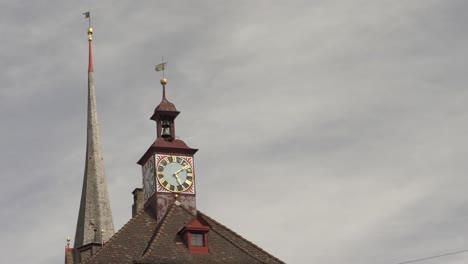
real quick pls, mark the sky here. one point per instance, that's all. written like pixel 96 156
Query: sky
pixel 328 131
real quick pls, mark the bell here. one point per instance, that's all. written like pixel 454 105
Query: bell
pixel 166 133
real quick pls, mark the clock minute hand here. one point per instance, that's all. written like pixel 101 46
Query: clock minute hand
pixel 181 169
pixel 177 178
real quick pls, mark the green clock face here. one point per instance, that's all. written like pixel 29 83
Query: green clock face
pixel 175 173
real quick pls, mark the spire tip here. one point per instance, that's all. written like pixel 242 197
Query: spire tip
pixel 90 59
pixel 90 33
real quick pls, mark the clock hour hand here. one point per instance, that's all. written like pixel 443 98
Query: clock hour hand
pixel 177 172
pixel 181 169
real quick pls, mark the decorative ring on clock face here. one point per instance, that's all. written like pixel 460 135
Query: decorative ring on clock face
pixel 175 173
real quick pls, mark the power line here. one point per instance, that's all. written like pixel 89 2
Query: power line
pixel 438 256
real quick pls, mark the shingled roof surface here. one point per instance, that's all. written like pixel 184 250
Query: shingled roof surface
pixel 129 242
pixel 138 243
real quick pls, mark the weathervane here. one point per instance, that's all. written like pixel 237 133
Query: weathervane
pixel 88 16
pixel 161 67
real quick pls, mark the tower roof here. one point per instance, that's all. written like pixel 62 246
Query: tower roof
pixel 165 105
pixel 95 218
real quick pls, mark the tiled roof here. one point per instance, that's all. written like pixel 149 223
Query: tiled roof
pixel 129 242
pixel 141 241
pixel 235 239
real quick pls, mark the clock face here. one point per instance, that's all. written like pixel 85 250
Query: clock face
pixel 148 178
pixel 175 173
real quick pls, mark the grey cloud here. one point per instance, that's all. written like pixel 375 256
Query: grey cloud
pixel 337 127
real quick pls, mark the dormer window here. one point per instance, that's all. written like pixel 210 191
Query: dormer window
pixel 195 235
pixel 197 239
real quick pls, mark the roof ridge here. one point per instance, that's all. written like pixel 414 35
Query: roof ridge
pixel 116 234
pixel 157 234
pixel 240 237
pixel 186 210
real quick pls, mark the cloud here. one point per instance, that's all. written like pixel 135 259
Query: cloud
pixel 329 132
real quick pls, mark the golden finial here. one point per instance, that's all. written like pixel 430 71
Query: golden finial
pixel 163 81
pixel 90 33
pixel 68 241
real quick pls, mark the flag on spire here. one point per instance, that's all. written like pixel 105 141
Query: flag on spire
pixel 87 14
pixel 160 67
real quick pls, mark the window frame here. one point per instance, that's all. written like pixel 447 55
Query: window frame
pixel 198 238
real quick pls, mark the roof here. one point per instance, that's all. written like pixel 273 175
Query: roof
pixel 141 241
pixel 129 242
pixel 165 105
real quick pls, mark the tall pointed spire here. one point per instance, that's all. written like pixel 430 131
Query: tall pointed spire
pixel 95 223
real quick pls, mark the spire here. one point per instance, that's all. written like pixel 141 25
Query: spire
pixel 95 213
pixel 90 60
pixel 163 83
pixel 165 105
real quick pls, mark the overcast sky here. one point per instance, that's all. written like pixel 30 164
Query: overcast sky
pixel 329 131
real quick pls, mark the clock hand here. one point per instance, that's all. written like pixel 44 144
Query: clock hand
pixel 177 178
pixel 177 172
pixel 181 169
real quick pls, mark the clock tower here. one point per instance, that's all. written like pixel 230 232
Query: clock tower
pixel 167 166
